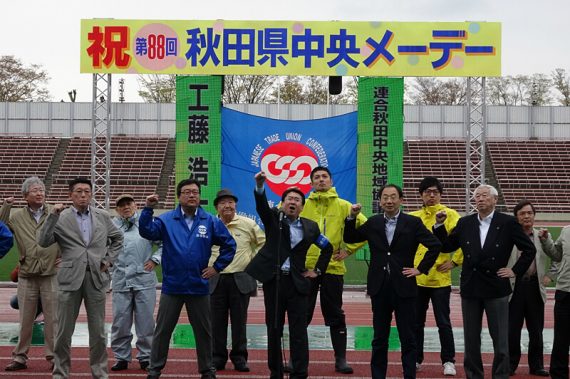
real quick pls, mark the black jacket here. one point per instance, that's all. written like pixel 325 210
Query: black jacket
pixel 264 265
pixel 480 265
pixel 409 233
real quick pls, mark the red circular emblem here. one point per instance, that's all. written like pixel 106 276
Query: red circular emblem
pixel 288 164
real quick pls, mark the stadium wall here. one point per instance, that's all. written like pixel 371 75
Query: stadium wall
pixel 145 119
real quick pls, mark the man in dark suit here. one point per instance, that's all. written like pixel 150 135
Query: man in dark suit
pixel 280 266
pixel 486 239
pixel 393 238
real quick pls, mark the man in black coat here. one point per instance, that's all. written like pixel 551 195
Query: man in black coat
pixel 486 239
pixel 393 238
pixel 280 266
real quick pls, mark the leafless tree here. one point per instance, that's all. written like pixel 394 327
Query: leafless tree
pixel 499 90
pixel 19 82
pixel 561 81
pixel 438 91
pixel 539 89
pixel 247 88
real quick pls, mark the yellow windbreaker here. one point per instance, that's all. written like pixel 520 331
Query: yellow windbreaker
pixel 436 279
pixel 330 211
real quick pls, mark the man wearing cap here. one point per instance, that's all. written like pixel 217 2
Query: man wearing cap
pixel 134 288
pixel 280 266
pixel 231 289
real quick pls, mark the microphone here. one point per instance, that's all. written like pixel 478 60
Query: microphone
pixel 281 216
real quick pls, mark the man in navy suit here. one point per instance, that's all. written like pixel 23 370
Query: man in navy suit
pixel 280 266
pixel 486 239
pixel 393 238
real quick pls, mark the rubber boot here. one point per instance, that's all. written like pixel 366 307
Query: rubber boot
pixel 338 339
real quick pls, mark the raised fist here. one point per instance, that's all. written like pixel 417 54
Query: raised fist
pixel 58 208
pixel 152 200
pixel 355 210
pixel 260 179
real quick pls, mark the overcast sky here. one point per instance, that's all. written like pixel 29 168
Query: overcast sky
pixel 535 33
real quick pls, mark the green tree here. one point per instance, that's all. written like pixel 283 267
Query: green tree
pixel 288 91
pixel 157 88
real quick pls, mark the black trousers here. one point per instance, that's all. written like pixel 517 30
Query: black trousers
pixel 526 306
pixel 331 288
pixel 384 303
pixel 227 301
pixel 440 298
pixel 497 311
pixel 561 345
pixel 295 304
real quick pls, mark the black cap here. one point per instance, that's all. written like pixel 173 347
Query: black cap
pixel 224 193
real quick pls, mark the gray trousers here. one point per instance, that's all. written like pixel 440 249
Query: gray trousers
pixel 129 305
pixel 199 315
pixel 30 290
pixel 67 311
pixel 497 311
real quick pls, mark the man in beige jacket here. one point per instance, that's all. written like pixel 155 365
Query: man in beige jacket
pixel 37 273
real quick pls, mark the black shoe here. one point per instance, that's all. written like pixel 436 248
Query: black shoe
pixel 540 372
pixel 220 366
pixel 120 366
pixel 15 366
pixel 144 365
pixel 241 367
pixel 208 375
pixel 342 367
pixel 152 376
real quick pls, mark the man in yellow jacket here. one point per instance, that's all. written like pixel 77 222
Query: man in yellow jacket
pixel 329 211
pixel 436 286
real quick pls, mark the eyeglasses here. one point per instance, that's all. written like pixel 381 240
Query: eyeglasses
pixel 37 190
pixel 431 192
pixel 190 192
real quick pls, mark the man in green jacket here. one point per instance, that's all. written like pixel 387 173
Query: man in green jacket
pixel 37 274
pixel 327 209
pixel 436 285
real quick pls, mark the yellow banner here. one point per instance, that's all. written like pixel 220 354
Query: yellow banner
pixel 326 48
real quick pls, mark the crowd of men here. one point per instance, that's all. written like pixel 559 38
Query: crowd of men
pixel 211 265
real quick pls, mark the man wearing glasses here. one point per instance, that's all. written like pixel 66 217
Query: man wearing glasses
pixel 89 244
pixel 436 285
pixel 187 234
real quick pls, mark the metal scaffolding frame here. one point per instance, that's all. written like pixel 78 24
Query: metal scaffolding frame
pixel 475 139
pixel 101 140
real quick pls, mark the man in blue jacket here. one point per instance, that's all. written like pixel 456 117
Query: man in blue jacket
pixel 187 234
pixel 6 240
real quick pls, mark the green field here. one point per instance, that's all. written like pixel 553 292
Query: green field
pixel 356 274
pixel 9 261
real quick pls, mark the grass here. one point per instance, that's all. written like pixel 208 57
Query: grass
pixel 356 270
pixel 11 259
